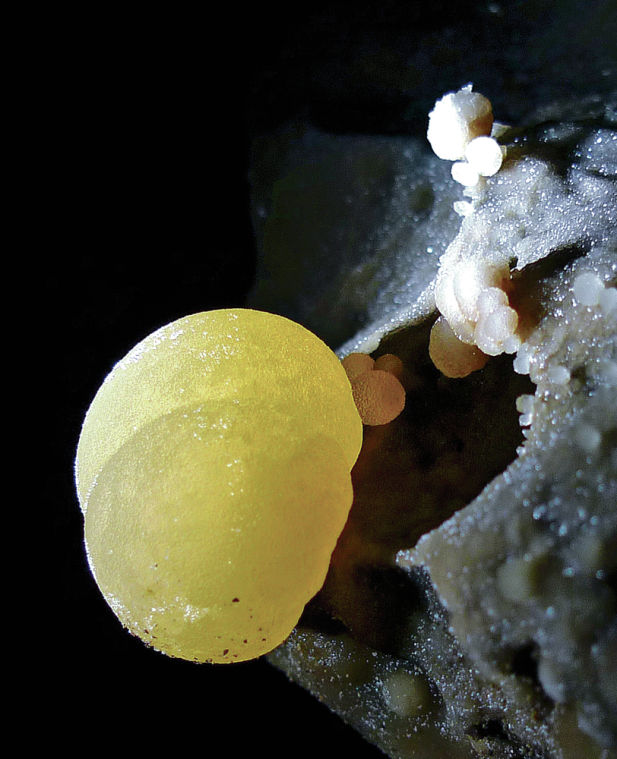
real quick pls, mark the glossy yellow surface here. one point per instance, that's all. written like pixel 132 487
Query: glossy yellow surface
pixel 214 473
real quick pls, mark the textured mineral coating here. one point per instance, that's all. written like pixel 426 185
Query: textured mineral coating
pixel 471 605
pixel 216 461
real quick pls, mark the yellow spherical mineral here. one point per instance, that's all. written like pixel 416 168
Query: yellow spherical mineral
pixel 214 473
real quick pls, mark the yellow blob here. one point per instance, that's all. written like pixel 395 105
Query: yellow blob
pixel 216 463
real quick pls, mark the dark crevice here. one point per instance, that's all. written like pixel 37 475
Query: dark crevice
pixel 387 597
pixel 553 263
pixel 315 618
pixel 453 438
pixel 490 728
pixel 523 662
pixel 533 283
pixel 611 581
pixel 609 441
pixel 493 737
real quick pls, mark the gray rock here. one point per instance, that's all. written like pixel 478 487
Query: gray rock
pixel 471 605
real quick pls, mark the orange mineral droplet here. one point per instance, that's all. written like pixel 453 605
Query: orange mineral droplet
pixel 379 397
pixel 390 363
pixel 356 364
pixel 452 356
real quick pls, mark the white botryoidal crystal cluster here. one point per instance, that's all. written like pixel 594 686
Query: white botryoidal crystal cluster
pixel 472 298
pixel 598 299
pixel 471 292
pixel 460 129
pixel 471 295
pixel 456 119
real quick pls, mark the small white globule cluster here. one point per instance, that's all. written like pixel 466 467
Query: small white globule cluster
pixel 456 119
pixel 589 290
pixel 560 366
pixel 600 300
pixel 472 298
pixel 459 129
pixel 471 291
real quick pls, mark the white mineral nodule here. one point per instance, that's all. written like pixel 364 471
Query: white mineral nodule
pixel 464 173
pixel 587 288
pixel 456 119
pixel 485 155
pixel 469 294
pixel 490 299
pixel 558 375
pixel 493 330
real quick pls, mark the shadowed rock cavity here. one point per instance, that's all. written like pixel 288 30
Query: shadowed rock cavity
pixel 453 437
